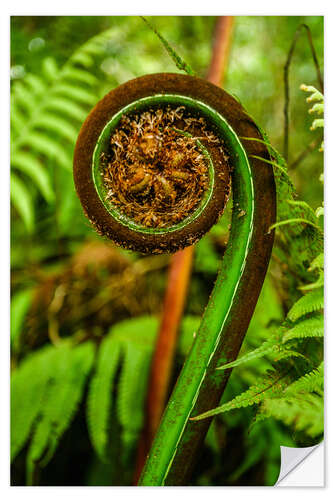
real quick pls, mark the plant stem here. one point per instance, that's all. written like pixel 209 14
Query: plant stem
pixel 177 284
pixel 286 80
pixel 221 49
pixel 200 386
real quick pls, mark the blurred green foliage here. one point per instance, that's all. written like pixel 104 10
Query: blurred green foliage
pixel 72 289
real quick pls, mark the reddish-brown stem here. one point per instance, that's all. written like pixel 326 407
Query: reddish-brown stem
pixel 178 279
pixel 221 48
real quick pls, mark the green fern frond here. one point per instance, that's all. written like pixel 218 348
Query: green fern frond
pixel 75 74
pixel 317 265
pixel 19 307
pixel 46 113
pixel 315 94
pixel 50 69
pixel 284 354
pixel 22 201
pixel 137 338
pixel 31 166
pixel 75 93
pixel 99 400
pixel 28 386
pixel 131 392
pixel 316 284
pixel 66 107
pixel 17 118
pixel 35 84
pixel 318 107
pixel 272 384
pixel 310 382
pixel 310 327
pixel 56 124
pixel 270 346
pixel 305 413
pixel 311 302
pixel 70 370
pixel 182 65
pixel 318 262
pixel 297 220
pixel 317 123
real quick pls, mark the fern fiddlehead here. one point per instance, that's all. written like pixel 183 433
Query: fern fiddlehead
pixel 231 305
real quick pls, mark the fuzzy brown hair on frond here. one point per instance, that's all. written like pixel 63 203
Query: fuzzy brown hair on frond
pixel 156 168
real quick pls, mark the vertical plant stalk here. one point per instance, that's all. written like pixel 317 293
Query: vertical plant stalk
pixel 200 386
pixel 221 49
pixel 177 284
pixel 286 80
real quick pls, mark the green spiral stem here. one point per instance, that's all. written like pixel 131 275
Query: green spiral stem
pixel 200 386
pixel 226 318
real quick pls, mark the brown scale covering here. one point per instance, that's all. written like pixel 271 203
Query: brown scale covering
pixel 156 173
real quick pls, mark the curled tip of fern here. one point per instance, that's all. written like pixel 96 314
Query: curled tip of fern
pixel 170 141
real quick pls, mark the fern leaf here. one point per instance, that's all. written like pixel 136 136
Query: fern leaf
pixel 56 124
pixel 67 107
pixel 28 386
pixel 36 85
pixel 289 353
pixel 310 382
pixel 132 391
pixel 297 220
pixel 268 347
pixel 17 118
pixel 317 284
pixel 302 209
pixel 22 201
pixel 312 301
pixel 182 65
pixel 317 123
pixel 137 337
pixel 310 327
pixel 31 166
pixel 140 332
pixel 50 69
pixel 55 100
pixel 82 58
pixel 60 404
pixel 49 147
pixel 272 384
pixel 318 262
pixel 76 93
pixel 100 395
pixel 79 75
pixel 305 413
pixel 315 94
pixel 24 98
pixel 20 305
pixel 317 108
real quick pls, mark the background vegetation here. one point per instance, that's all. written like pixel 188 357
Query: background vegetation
pixel 85 314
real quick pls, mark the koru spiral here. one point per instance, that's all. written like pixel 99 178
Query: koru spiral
pixel 155 163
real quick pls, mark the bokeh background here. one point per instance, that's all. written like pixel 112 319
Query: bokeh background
pixel 68 283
